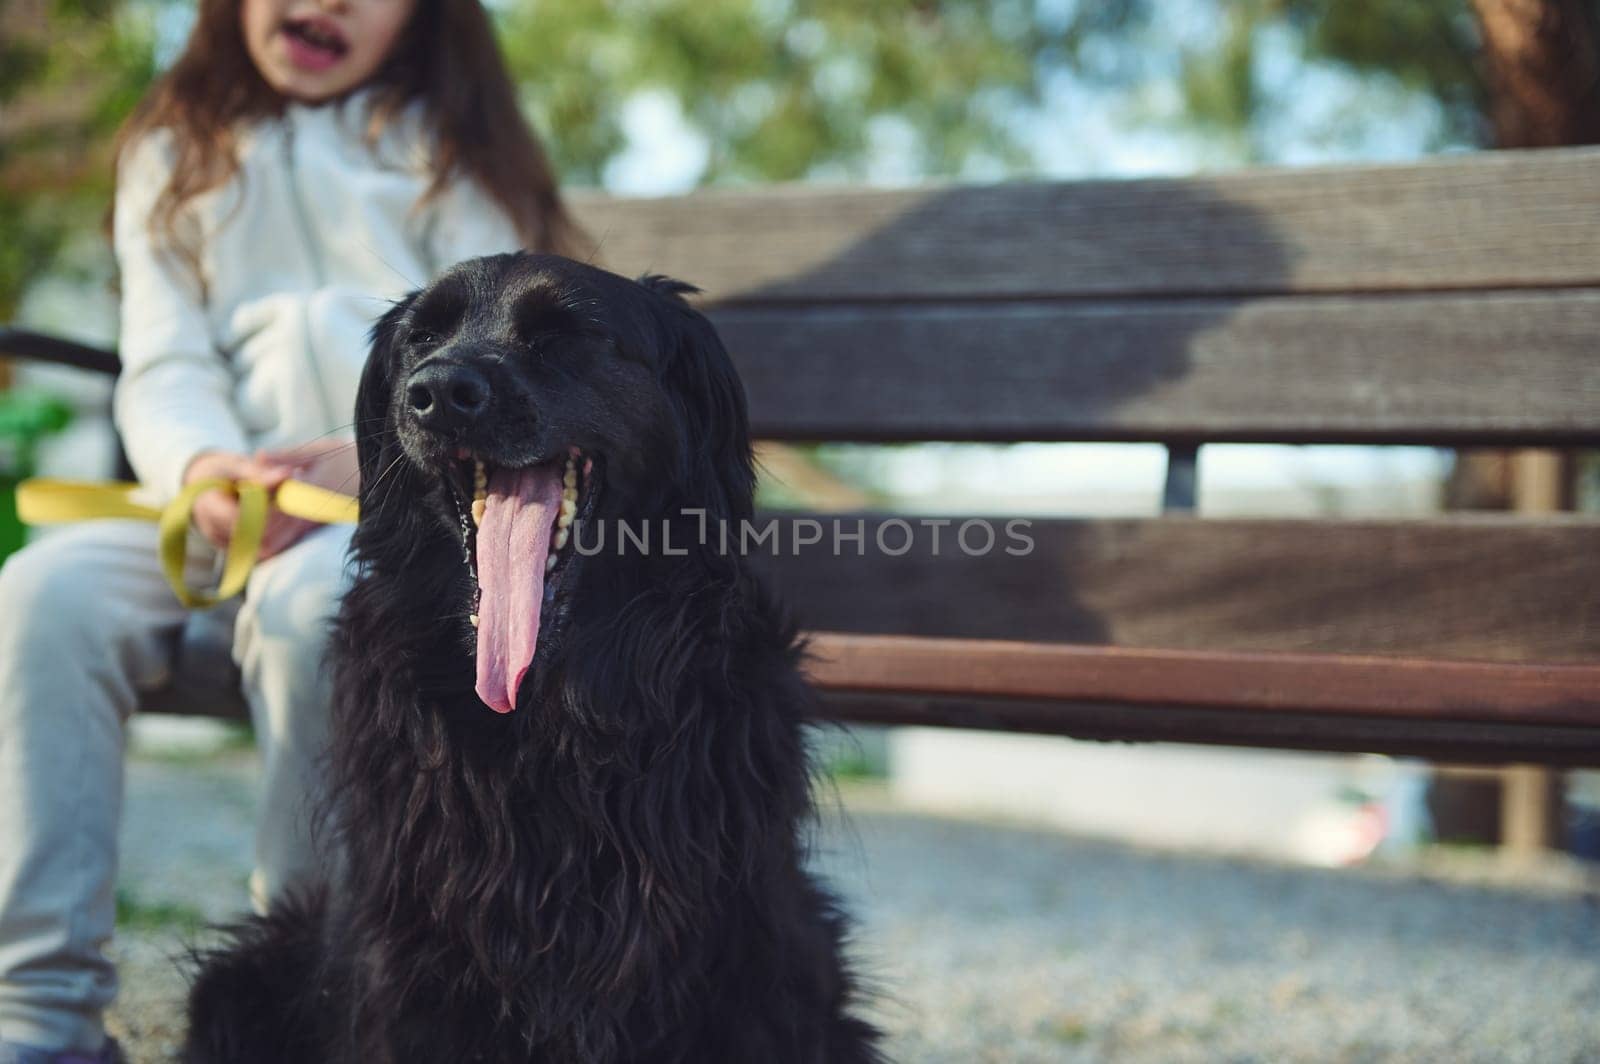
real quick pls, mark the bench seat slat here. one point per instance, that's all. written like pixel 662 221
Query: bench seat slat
pixel 1491 692
pixel 1432 737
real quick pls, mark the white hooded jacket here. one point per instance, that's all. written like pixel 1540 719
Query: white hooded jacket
pixel 301 252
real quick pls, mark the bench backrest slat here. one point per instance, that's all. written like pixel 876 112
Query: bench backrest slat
pixel 1486 220
pixel 1491 588
pixel 1444 369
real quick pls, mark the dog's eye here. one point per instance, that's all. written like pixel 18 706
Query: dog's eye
pixel 424 337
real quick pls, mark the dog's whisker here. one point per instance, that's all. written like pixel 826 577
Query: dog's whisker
pixel 353 478
pixel 392 466
pixel 594 252
pixel 390 489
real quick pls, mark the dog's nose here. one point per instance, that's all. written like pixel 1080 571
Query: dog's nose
pixel 447 395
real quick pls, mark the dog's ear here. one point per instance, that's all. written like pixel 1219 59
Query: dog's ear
pixel 702 381
pixel 376 391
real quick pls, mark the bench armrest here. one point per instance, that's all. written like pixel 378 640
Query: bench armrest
pixel 41 347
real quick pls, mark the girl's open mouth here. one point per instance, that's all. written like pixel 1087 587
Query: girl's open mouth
pixel 314 43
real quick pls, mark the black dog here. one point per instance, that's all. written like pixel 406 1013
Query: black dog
pixel 609 868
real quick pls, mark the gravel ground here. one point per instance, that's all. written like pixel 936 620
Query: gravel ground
pixel 994 942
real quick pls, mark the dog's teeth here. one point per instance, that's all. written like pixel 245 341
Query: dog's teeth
pixel 562 535
pixel 550 563
pixel 569 510
pixel 480 491
pixel 570 478
pixel 473 617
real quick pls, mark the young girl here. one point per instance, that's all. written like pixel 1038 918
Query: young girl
pixel 301 165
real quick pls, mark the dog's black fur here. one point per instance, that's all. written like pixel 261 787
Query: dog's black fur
pixel 613 871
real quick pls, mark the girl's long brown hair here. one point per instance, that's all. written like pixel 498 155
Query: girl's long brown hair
pixel 446 58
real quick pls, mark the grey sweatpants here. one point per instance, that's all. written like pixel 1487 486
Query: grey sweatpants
pixel 87 621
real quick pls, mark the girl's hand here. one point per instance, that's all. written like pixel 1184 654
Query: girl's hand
pixel 217 512
pixel 328 464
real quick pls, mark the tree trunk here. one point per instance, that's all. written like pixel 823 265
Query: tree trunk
pixel 1542 64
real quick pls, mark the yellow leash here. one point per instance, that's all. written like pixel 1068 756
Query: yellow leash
pixel 45 502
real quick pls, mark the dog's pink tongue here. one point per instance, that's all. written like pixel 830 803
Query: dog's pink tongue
pixel 513 542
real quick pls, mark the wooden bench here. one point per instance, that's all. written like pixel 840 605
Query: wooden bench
pixel 1453 303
